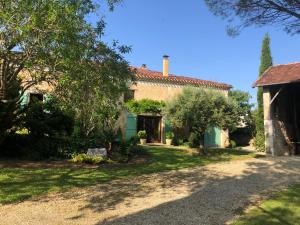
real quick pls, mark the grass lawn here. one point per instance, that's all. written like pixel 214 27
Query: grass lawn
pixel 283 208
pixel 17 184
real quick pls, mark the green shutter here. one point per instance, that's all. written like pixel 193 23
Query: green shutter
pixel 25 99
pixel 131 126
pixel 167 126
pixel 212 137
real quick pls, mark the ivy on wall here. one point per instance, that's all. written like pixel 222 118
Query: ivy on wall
pixel 145 106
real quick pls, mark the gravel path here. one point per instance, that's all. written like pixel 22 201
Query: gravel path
pixel 213 194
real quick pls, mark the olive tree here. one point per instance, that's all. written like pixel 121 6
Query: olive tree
pixel 199 109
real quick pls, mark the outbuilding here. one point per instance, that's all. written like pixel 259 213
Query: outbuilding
pixel 281 99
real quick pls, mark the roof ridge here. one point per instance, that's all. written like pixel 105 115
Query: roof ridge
pixel 182 76
pixel 285 64
pixel 279 74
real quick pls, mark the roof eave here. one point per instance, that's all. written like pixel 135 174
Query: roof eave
pixel 222 87
pixel 277 83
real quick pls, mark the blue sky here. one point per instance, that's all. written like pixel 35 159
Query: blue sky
pixel 195 40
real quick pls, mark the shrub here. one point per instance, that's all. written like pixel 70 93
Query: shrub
pixel 134 140
pixel 44 119
pixel 130 147
pixel 194 140
pixel 186 144
pixel 142 134
pixel 84 158
pixel 260 142
pixel 232 144
pixel 169 135
pixel 34 148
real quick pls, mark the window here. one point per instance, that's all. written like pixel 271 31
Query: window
pixel 129 95
pixel 35 97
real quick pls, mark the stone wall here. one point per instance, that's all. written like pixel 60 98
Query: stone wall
pixel 162 91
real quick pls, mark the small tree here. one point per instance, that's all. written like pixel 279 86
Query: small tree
pixel 265 62
pixel 244 109
pixel 200 109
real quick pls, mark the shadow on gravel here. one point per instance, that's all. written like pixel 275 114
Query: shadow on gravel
pixel 213 199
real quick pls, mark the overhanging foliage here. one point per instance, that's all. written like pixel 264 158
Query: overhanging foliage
pixel 145 106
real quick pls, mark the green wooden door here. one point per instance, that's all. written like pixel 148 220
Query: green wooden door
pixel 130 126
pixel 212 137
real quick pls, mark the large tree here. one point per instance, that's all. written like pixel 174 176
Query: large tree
pixel 244 13
pixel 52 40
pixel 266 62
pixel 200 109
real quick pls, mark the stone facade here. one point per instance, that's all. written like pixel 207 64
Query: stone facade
pixel 162 91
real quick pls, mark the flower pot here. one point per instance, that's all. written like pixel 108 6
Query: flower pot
pixel 143 141
pixel 169 141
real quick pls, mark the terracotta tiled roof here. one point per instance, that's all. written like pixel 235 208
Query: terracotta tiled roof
pixel 149 75
pixel 280 74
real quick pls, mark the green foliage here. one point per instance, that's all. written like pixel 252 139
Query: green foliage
pixel 260 131
pixel 194 140
pixel 18 184
pixel 169 135
pixel 47 119
pixel 35 148
pixel 265 63
pixel 145 106
pixel 198 109
pixel 84 158
pixel 282 208
pixel 130 149
pixel 266 60
pixel 244 13
pixel 90 75
pixel 10 112
pixel 232 144
pixel 245 112
pixel 142 134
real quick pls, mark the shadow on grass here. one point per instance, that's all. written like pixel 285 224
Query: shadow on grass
pixel 215 198
pixel 17 184
pixel 282 208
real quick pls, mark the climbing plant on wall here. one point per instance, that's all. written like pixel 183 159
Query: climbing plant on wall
pixel 145 106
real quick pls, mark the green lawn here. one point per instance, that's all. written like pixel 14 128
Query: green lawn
pixel 17 184
pixel 283 208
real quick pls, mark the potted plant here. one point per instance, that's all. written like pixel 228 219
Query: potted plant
pixel 142 135
pixel 169 137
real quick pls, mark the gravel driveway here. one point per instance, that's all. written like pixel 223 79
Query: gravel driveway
pixel 213 194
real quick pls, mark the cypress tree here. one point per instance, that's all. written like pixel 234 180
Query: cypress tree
pixel 265 62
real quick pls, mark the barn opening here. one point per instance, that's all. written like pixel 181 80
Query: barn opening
pixel 285 113
pixel 281 104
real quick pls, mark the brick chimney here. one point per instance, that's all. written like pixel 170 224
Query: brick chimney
pixel 165 66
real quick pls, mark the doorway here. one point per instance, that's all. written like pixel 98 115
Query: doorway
pixel 152 126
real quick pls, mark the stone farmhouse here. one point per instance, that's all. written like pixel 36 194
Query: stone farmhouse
pixel 161 86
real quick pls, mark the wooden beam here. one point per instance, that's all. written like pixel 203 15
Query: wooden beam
pixel 273 99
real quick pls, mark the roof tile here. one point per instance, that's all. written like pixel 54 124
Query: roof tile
pixel 280 74
pixel 149 75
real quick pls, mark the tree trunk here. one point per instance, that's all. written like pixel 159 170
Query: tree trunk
pixel 2 81
pixel 201 149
